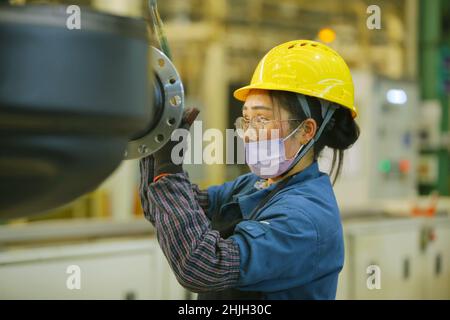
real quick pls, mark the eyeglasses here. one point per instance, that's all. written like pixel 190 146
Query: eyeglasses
pixel 257 123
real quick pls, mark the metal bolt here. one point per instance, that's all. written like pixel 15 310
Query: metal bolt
pixel 175 101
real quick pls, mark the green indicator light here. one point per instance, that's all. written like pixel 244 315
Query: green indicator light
pixel 384 166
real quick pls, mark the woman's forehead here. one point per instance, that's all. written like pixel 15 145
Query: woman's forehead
pixel 258 99
pixel 261 100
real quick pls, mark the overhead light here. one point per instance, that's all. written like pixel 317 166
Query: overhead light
pixel 396 96
pixel 327 35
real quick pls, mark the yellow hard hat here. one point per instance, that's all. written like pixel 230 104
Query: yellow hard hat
pixel 307 67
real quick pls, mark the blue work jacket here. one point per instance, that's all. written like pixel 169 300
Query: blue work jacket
pixel 293 248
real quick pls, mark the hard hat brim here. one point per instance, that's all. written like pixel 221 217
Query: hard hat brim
pixel 241 94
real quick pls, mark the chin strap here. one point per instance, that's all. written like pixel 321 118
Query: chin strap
pixel 328 110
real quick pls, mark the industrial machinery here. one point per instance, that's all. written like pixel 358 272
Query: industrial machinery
pixel 381 165
pixel 75 102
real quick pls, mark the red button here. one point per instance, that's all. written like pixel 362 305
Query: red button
pixel 404 166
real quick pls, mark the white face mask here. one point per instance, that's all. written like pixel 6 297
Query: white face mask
pixel 267 158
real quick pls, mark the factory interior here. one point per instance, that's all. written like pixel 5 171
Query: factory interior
pixel 393 193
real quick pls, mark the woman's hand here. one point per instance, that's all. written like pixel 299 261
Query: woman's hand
pixel 163 159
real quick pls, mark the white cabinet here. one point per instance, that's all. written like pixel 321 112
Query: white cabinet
pixel 412 256
pixel 114 269
pixel 396 255
pixel 437 261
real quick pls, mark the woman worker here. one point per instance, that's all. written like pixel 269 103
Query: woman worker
pixel 274 233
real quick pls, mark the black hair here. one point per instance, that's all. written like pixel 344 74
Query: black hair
pixel 340 133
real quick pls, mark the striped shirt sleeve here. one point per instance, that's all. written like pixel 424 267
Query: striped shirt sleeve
pixel 201 260
pixel 146 166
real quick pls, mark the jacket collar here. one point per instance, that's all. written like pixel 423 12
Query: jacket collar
pixel 248 202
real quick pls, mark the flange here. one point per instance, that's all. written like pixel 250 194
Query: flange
pixel 168 104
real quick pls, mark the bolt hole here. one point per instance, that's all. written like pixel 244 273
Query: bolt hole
pixel 159 138
pixel 291 46
pixel 172 81
pixel 171 122
pixel 303 44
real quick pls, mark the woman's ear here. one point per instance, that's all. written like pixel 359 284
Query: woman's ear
pixel 308 130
